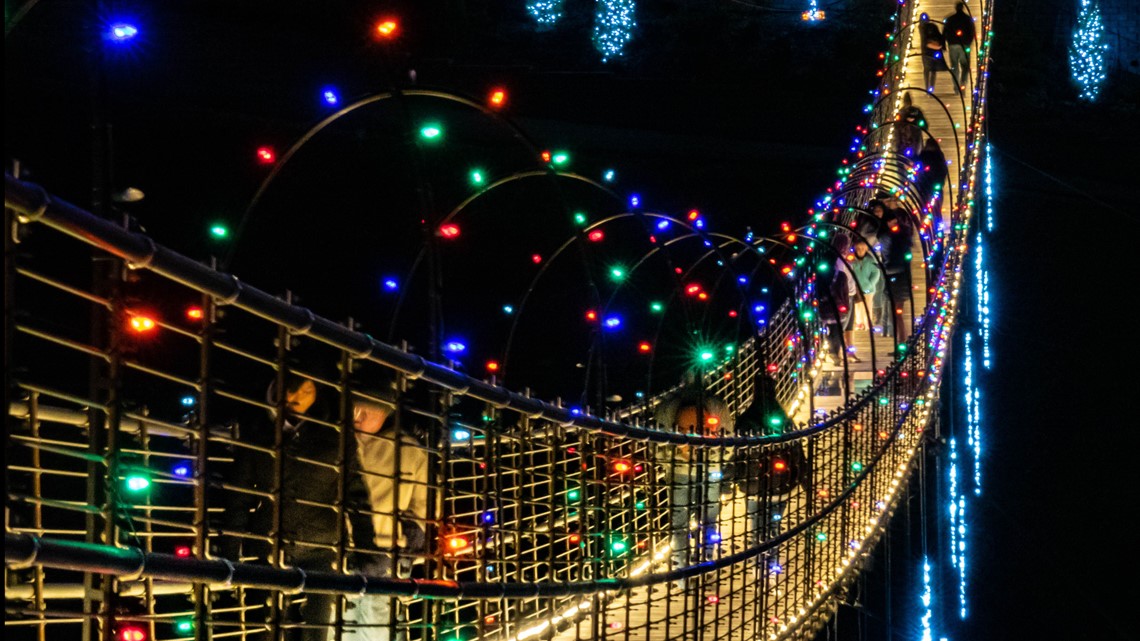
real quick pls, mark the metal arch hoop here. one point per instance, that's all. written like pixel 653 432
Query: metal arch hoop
pixel 347 109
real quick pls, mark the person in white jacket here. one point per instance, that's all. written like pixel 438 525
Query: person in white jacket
pixel 399 503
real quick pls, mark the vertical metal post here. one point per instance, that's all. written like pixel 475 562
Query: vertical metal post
pixel 203 629
pixel 343 458
pixel 275 554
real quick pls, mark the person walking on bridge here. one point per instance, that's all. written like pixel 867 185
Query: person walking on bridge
pixel 958 28
pixel 695 472
pixel 933 47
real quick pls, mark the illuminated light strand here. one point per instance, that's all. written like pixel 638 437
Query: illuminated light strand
pixel 545 12
pixel 1086 52
pixel 813 14
pixel 613 26
pixel 926 599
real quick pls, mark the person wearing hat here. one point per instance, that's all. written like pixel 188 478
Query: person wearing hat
pixel 395 470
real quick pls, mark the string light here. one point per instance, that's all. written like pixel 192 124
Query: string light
pixel 266 155
pixel 545 12
pixel 927 597
pixel 813 13
pixel 1086 52
pixel 497 98
pixel 132 633
pixel 141 324
pixel 613 26
pixel 330 96
pixel 121 32
pixel 219 231
pixel 387 29
pixel 431 132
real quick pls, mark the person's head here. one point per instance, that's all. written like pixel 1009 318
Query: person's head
pixel 693 412
pixel 861 248
pixel 372 404
pixel 300 394
pixel 688 417
pixel 877 208
pixel 842 243
pixel 368 416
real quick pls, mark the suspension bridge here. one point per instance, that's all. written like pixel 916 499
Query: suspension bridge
pixel 540 519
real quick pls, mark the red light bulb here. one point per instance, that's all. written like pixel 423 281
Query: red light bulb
pixel 140 324
pixel 132 633
pixel 450 230
pixel 497 98
pixel 387 29
pixel 266 155
pixel 596 236
pixel 195 313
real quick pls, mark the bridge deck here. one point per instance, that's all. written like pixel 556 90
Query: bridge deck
pixel 737 601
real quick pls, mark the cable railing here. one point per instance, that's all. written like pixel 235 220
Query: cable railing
pixel 162 480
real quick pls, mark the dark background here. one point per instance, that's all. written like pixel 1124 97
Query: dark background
pixel 740 110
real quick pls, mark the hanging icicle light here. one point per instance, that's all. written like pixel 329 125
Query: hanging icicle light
pixel 1086 53
pixel 613 26
pixel 545 12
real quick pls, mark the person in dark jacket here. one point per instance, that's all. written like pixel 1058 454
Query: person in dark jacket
pixel 768 476
pixel 958 29
pixel 871 224
pixel 910 129
pixel 836 293
pixel 897 254
pixel 694 472
pixel 932 175
pixel 310 527
pixel 933 51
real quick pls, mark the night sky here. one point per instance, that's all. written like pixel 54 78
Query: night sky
pixel 740 111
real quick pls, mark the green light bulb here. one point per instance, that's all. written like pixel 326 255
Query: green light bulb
pixel 618 274
pixel 137 483
pixel 477 177
pixel 430 132
pixel 656 307
pixel 219 231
